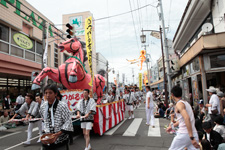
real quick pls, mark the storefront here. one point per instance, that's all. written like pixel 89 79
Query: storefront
pixel 21 29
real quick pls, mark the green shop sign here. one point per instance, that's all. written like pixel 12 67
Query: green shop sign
pixel 31 17
pixel 23 41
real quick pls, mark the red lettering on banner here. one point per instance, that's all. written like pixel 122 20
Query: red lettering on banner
pixel 81 96
pixel 77 97
pixel 65 96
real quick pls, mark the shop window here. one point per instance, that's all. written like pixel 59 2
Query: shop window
pixel 30 56
pixel 217 61
pixel 4 33
pixel 4 47
pixel 38 58
pixel 39 49
pixel 194 66
pixel 186 71
pixel 16 51
pixel 56 55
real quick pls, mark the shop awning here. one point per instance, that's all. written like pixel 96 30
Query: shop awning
pixel 156 83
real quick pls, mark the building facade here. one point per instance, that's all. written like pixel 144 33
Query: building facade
pixel 199 43
pixel 21 30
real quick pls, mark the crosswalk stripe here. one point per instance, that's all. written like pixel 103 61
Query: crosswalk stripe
pixel 133 128
pixel 154 132
pixel 113 130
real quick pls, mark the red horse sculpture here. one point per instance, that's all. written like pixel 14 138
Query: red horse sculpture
pixel 72 74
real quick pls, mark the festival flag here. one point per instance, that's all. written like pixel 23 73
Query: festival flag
pixel 89 43
pixel 140 81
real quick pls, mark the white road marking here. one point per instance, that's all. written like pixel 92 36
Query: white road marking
pixel 34 129
pixel 113 130
pixel 154 132
pixel 20 143
pixel 10 134
pixel 133 128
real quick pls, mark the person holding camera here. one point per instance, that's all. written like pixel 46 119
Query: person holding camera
pixel 86 108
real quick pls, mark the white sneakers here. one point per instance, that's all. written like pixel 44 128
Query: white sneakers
pixel 131 117
pixel 39 140
pixel 26 143
pixel 147 124
pixel 88 148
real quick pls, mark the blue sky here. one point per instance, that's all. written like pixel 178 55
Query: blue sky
pixel 115 37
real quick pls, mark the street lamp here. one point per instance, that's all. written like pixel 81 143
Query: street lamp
pixel 143 38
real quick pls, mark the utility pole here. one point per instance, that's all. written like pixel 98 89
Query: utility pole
pixel 107 70
pixel 164 72
pixel 133 75
pixel 166 46
pixel 44 36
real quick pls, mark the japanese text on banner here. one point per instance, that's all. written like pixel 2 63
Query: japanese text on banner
pixel 89 43
pixel 140 81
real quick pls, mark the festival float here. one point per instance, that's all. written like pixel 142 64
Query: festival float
pixel 73 75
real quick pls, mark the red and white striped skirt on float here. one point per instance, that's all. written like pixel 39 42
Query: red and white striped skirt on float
pixel 108 115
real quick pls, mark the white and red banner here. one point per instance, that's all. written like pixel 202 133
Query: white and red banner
pixel 108 115
pixel 71 97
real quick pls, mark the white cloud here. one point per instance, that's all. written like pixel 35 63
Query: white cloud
pixel 123 40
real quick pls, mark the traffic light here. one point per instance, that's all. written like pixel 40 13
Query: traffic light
pixel 70 31
pixel 34 74
pixel 174 65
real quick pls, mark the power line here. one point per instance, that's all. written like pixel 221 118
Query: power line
pixel 125 12
pixel 110 39
pixel 169 14
pixel 139 15
pixel 134 25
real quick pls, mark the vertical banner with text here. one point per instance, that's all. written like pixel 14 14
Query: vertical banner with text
pixel 89 43
pixel 140 81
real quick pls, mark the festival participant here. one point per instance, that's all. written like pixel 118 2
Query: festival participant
pixel 86 108
pixel 149 108
pixel 27 107
pixel 130 104
pixel 57 119
pixel 138 96
pixel 7 102
pixel 187 135
pixel 35 114
pixel 133 92
pixel 19 101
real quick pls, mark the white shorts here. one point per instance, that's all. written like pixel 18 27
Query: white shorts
pixel 129 108
pixel 182 140
pixel 86 125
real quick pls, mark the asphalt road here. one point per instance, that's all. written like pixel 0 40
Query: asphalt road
pixel 131 134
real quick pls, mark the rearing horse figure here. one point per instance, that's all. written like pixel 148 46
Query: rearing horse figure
pixel 72 74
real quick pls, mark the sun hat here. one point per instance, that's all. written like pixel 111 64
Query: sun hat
pixel 211 89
